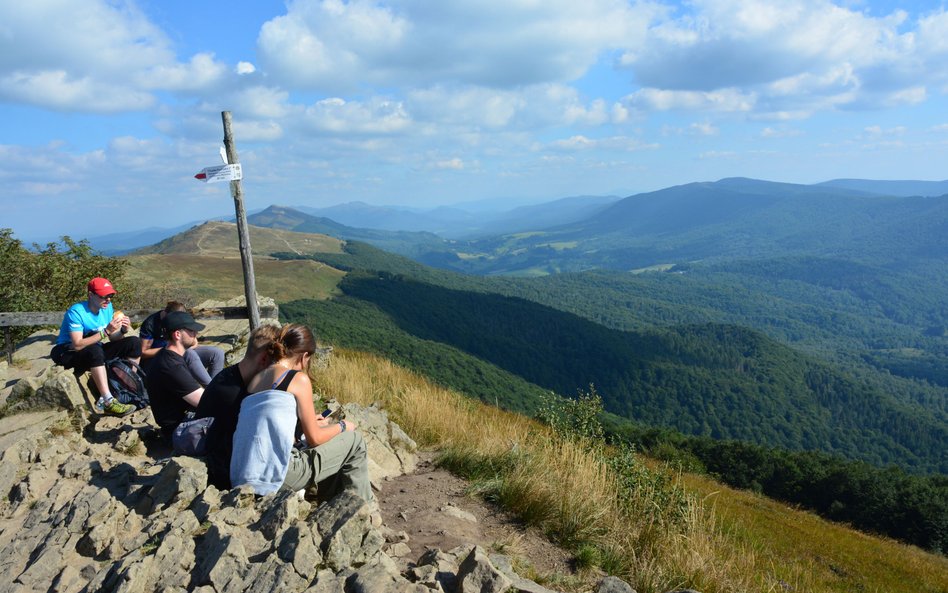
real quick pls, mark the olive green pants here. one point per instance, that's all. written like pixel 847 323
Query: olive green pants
pixel 332 467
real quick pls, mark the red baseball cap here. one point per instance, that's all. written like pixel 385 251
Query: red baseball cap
pixel 101 286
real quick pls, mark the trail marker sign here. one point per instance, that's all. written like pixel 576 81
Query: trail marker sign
pixel 219 173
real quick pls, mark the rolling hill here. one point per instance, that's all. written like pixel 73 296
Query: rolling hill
pixel 204 262
pixel 729 219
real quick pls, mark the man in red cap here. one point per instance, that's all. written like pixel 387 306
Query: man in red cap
pixel 90 335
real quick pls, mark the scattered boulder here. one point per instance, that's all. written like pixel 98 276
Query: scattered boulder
pixel 613 585
pixel 391 451
pixel 478 575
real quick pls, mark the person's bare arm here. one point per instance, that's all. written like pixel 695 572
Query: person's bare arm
pixel 316 432
pixel 78 342
pixel 194 398
pixel 147 350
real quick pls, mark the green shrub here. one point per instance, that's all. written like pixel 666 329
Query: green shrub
pixel 49 278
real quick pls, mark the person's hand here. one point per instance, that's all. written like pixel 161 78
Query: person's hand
pixel 350 425
pixel 114 326
pixel 322 422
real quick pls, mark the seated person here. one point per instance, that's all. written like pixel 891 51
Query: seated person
pixel 90 334
pixel 222 398
pixel 204 362
pixel 173 390
pixel 281 396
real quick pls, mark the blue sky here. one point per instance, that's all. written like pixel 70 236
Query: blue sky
pixel 109 108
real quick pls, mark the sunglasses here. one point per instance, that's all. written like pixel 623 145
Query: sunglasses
pixel 106 298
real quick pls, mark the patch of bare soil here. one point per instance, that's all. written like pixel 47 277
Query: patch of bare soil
pixel 435 510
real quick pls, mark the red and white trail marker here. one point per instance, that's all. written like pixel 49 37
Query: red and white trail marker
pixel 220 173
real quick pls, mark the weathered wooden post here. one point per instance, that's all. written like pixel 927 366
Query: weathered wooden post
pixel 246 257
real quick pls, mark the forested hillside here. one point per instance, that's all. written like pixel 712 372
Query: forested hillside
pixel 709 379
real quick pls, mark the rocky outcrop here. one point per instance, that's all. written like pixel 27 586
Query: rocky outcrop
pixel 81 516
pixel 96 503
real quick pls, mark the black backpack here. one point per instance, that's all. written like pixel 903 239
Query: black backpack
pixel 127 382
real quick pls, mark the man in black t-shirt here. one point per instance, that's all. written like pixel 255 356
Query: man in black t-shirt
pixel 203 361
pixel 222 399
pixel 172 388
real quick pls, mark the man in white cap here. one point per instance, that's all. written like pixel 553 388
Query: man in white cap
pixel 91 334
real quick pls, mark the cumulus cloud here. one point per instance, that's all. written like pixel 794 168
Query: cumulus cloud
pixel 703 129
pixel 455 164
pixel 769 132
pixel 724 100
pixel 332 45
pixel 245 68
pixel 531 107
pixel 582 143
pixel 57 90
pixel 93 56
pixel 338 116
pixel 796 57
pixel 201 72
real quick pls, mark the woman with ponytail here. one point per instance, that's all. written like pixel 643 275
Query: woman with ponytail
pixel 281 398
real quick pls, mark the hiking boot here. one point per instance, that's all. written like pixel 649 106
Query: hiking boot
pixel 117 408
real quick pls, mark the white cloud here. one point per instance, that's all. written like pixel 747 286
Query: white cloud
pixel 582 143
pixel 878 131
pixel 57 90
pixel 704 129
pixel 779 133
pixel 338 116
pixel 92 56
pixel 455 164
pixel 258 131
pixel 263 102
pixel 202 72
pixel 243 68
pixel 796 57
pixel 725 100
pixel 331 45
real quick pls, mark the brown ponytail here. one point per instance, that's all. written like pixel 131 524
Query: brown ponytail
pixel 294 340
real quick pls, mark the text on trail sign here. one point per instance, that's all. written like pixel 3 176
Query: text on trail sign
pixel 220 173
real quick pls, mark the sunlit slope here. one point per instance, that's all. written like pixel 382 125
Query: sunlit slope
pixel 204 262
pixel 220 239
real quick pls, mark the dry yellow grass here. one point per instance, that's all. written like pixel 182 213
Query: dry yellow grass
pixel 558 485
pixel 727 540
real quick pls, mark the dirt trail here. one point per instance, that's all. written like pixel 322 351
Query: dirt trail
pixel 433 507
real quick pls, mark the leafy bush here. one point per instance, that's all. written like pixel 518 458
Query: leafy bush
pixel 49 278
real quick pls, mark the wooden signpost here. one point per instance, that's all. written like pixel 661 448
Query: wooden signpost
pixel 246 258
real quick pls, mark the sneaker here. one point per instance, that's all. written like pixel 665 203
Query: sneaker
pixel 117 408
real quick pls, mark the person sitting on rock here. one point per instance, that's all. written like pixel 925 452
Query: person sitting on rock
pixel 172 389
pixel 204 362
pixel 264 456
pixel 222 398
pixel 92 333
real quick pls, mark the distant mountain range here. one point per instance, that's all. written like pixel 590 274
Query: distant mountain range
pixel 731 218
pixel 454 222
pixel 482 220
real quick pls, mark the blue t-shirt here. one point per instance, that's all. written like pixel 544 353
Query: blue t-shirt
pixel 79 318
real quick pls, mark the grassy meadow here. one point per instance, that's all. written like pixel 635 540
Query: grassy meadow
pixel 712 539
pixel 199 277
pixel 204 263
